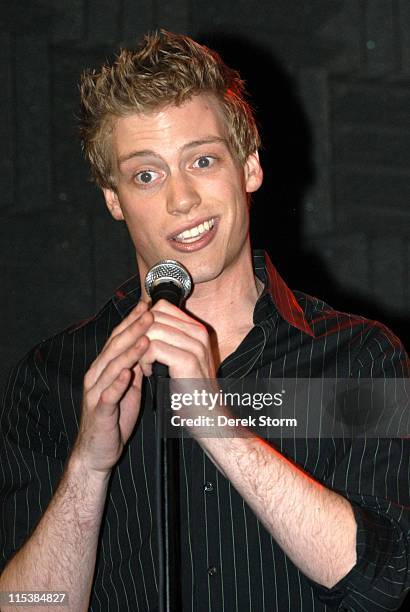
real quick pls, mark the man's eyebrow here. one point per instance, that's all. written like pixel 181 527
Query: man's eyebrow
pixel 188 145
pixel 143 153
pixel 209 140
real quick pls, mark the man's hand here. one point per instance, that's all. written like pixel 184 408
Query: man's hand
pixel 179 342
pixel 112 393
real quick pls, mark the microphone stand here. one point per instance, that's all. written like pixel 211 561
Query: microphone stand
pixel 168 502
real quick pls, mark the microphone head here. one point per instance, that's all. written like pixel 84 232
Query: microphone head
pixel 169 271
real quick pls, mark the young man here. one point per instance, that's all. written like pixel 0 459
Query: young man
pixel 298 525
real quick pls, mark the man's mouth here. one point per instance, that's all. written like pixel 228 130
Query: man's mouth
pixel 195 233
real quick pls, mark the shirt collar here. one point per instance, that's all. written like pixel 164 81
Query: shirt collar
pixel 277 294
pixel 275 298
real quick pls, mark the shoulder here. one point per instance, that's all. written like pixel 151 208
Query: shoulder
pixel 371 345
pixel 70 352
pixel 78 345
pixel 48 381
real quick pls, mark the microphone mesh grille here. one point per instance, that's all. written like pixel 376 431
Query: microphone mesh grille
pixel 169 271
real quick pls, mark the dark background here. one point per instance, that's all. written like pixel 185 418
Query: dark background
pixel 330 82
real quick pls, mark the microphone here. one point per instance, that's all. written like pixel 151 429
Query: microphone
pixel 171 281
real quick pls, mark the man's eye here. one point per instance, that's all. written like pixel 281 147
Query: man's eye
pixel 204 162
pixel 146 177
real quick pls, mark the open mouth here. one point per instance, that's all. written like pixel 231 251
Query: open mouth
pixel 195 233
pixel 195 238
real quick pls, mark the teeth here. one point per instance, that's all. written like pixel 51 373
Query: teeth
pixel 192 234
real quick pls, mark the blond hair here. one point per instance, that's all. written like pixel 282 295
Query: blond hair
pixel 165 69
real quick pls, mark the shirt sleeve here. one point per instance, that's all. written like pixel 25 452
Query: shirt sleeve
pixel 32 454
pixel 374 475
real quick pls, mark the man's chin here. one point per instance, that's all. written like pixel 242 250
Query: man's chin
pixel 205 274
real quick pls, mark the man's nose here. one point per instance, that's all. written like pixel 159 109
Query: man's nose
pixel 182 195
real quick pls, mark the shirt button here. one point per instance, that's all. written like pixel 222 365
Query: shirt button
pixel 212 571
pixel 208 487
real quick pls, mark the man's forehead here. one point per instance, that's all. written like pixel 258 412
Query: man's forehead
pixel 177 127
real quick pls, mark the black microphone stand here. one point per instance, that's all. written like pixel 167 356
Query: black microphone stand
pixel 167 482
pixel 168 501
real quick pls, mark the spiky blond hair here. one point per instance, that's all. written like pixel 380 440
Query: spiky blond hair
pixel 165 69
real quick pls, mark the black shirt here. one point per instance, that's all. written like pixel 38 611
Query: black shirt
pixel 229 561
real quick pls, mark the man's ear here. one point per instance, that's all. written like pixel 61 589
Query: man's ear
pixel 113 204
pixel 253 173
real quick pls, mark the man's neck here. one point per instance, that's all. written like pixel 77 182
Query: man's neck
pixel 226 307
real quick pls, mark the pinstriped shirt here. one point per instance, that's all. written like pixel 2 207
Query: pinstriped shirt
pixel 229 561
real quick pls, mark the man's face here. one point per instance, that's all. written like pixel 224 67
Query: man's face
pixel 179 189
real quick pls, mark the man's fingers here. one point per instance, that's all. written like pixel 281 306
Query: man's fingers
pixel 126 360
pixel 168 308
pixel 111 396
pixel 127 339
pixel 189 327
pixel 182 363
pixel 131 331
pixel 135 313
pixel 181 343
pixel 177 337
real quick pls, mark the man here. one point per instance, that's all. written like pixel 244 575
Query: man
pixel 297 525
